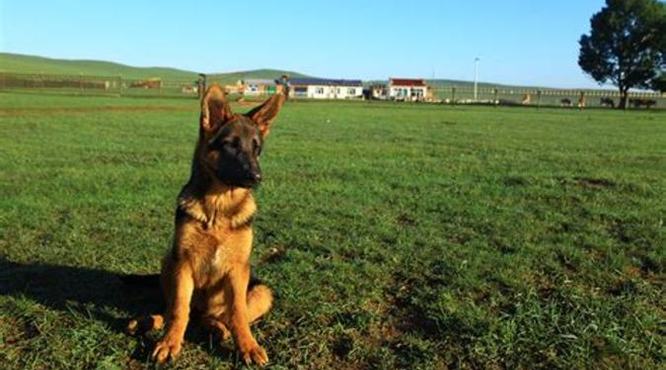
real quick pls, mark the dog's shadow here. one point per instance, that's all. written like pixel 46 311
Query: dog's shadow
pixel 97 294
pixel 65 288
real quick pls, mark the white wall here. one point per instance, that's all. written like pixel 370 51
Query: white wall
pixel 334 92
pixel 256 89
pixel 394 91
pixel 252 89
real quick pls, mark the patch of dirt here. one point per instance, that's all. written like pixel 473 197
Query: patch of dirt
pixel 342 346
pixel 515 181
pixel 28 331
pixel 623 287
pixel 405 220
pixel 621 231
pixel 567 262
pixel 595 183
pixel 273 255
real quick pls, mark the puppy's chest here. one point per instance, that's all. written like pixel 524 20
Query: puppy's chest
pixel 221 258
pixel 217 234
pixel 225 248
pixel 221 252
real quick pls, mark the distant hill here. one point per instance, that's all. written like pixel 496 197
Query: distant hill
pixel 34 64
pixel 19 63
pixel 232 77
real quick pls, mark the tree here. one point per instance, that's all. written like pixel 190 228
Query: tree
pixel 626 45
pixel 659 83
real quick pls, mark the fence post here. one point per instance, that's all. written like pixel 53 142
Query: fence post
pixel 538 99
pixel 81 83
pixel 120 85
pixel 495 96
pixel 453 95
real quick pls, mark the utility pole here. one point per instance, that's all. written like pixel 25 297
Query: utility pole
pixel 476 78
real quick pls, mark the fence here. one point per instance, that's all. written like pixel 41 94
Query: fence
pixel 99 85
pixel 543 97
pixel 188 88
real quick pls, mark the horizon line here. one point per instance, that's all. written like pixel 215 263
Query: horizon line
pixel 600 87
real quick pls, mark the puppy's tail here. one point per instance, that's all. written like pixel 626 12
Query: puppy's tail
pixel 141 281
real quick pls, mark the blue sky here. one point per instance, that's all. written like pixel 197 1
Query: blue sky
pixel 523 42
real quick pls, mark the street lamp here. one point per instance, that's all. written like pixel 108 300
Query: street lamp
pixel 476 78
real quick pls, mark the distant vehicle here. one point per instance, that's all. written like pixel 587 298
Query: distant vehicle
pixel 151 83
pixel 607 102
pixel 642 102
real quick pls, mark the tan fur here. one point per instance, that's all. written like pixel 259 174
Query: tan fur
pixel 208 268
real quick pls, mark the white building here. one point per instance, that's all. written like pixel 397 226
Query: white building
pixel 407 89
pixel 254 86
pixel 319 88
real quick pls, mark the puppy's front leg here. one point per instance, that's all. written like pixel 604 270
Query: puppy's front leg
pixel 239 278
pixel 179 292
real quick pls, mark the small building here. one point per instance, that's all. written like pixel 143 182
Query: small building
pixel 321 88
pixel 151 83
pixel 406 89
pixel 255 86
pixel 378 92
pixel 234 89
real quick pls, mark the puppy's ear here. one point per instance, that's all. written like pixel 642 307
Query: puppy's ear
pixel 215 110
pixel 265 114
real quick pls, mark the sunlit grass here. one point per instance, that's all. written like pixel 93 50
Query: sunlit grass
pixel 394 235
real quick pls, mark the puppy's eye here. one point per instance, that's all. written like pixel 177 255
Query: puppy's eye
pixel 226 144
pixel 217 145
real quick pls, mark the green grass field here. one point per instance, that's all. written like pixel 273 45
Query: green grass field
pixel 394 235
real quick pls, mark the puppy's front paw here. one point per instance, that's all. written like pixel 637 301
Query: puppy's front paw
pixel 255 354
pixel 166 349
pixel 132 327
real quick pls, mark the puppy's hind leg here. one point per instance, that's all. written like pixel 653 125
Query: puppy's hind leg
pixel 217 326
pixel 259 301
pixel 145 324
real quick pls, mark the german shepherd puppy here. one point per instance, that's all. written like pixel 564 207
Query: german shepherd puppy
pixel 208 269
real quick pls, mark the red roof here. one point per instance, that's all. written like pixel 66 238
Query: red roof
pixel 406 82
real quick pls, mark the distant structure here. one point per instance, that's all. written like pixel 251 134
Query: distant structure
pixel 406 89
pixel 201 85
pixel 257 86
pixel 151 83
pixel 284 81
pixel 234 89
pixel 321 88
pixel 582 101
pixel 377 92
pixel 642 102
pixel 607 102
